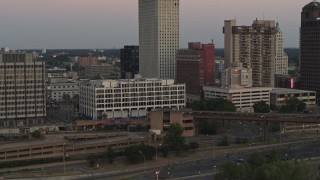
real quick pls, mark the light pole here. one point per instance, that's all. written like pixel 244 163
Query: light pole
pixel 64 159
pixel 157 173
pixel 157 151
pixel 145 161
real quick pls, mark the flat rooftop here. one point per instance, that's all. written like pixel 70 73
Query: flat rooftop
pixel 286 90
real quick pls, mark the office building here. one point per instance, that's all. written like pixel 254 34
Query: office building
pixel 259 47
pixel 58 86
pixel 129 61
pixel 105 99
pixel 281 58
pixel 196 67
pixel 310 47
pixel 279 97
pixel 98 70
pixel 158 38
pixel 22 90
pixel 242 98
pixel 161 120
pixel 87 61
pixel 219 69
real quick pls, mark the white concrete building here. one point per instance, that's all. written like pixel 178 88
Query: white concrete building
pixel 158 38
pixel 279 96
pixel 58 86
pixel 129 98
pixel 281 58
pixel 242 98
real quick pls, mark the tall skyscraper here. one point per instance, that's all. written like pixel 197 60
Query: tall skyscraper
pixel 22 90
pixel 129 64
pixel 196 68
pixel 259 47
pixel 158 38
pixel 310 47
pixel 281 61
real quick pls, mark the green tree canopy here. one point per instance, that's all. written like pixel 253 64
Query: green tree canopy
pixel 173 138
pixel 259 168
pixel 216 104
pixel 261 107
pixel 293 105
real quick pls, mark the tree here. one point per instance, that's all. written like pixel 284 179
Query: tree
pixel 193 145
pixel 293 105
pixel 261 107
pixel 215 104
pixel 173 138
pixel 111 155
pixel 66 98
pixel 134 154
pixel 36 134
pixel 75 100
pixel 224 141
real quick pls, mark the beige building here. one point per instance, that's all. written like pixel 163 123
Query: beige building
pixel 158 38
pixel 279 96
pixel 242 98
pixel 259 47
pixel 102 70
pixel 58 86
pixel 281 61
pixel 22 90
pixel 161 120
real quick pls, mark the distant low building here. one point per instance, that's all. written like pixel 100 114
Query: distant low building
pixel 87 61
pixel 95 70
pixel 57 87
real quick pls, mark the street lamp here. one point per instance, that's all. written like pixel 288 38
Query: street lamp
pixel 64 159
pixel 145 161
pixel 157 151
pixel 157 173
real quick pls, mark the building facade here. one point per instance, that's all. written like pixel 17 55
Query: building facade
pixel 281 58
pixel 196 67
pixel 259 46
pixel 158 38
pixel 242 98
pixel 58 86
pixel 87 61
pixel 310 47
pixel 129 64
pixel 95 70
pixel 279 96
pixel 22 90
pixel 129 98
pixel 161 120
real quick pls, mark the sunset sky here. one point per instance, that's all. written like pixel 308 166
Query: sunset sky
pixel 114 23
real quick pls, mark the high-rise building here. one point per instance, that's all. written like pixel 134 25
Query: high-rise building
pixel 129 61
pixel 196 67
pixel 310 47
pixel 22 90
pixel 259 47
pixel 158 38
pixel 281 58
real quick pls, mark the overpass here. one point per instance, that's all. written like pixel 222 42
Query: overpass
pixel 264 118
pixel 270 117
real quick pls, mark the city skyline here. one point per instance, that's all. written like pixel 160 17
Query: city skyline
pixel 99 24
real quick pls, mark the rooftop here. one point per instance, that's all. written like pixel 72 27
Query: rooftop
pixel 312 6
pixel 285 90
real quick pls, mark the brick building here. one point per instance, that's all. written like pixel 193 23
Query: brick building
pixel 196 67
